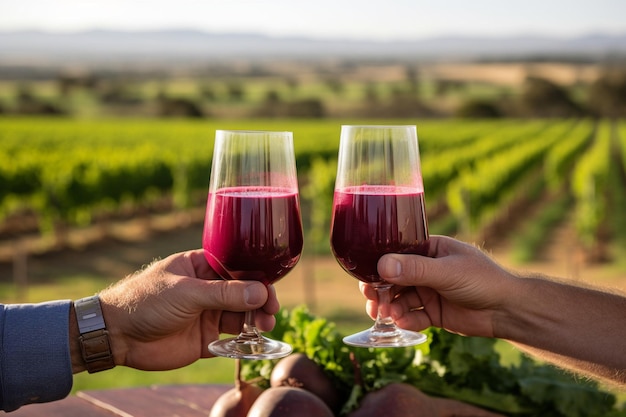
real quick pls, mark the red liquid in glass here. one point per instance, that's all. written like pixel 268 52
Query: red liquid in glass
pixel 370 221
pixel 253 233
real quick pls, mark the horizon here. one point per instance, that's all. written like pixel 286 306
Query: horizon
pixel 447 35
pixel 187 46
pixel 396 20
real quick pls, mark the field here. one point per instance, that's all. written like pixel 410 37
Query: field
pixel 319 89
pixel 84 203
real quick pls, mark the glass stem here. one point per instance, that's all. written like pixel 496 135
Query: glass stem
pixel 249 333
pixel 384 325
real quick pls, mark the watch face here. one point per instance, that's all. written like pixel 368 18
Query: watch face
pixel 89 314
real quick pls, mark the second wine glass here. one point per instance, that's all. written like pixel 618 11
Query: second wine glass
pixel 378 208
pixel 253 228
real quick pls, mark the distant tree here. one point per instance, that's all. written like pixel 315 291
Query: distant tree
pixel 292 84
pixel 207 92
pixel 399 93
pixel 306 108
pixel 29 104
pixel 272 97
pixel 24 92
pixel 607 95
pixel 67 81
pixel 543 98
pixel 412 77
pixel 444 86
pixel 236 91
pixel 179 107
pixel 335 85
pixel 118 92
pixel 371 93
pixel 398 106
pixel 479 108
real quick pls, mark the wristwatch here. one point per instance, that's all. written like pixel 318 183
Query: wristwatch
pixel 94 337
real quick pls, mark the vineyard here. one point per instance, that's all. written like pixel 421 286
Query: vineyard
pixel 484 179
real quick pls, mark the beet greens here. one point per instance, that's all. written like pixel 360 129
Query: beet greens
pixel 469 369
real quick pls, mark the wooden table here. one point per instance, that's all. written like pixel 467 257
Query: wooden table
pixel 156 401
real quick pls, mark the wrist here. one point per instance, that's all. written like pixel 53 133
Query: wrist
pixel 78 364
pixel 94 343
pixel 510 320
pixel 115 316
pixel 524 316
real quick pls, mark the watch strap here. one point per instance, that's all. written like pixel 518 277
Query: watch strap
pixel 94 338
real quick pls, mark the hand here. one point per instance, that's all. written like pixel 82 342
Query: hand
pixel 459 287
pixel 165 316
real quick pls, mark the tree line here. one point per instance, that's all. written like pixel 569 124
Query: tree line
pixel 287 97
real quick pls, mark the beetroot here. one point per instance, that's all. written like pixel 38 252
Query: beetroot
pixel 297 370
pixel 289 402
pixel 404 400
pixel 395 400
pixel 237 401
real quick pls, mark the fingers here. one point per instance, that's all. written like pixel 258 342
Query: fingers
pixel 235 297
pixel 409 308
pixel 232 322
pixel 265 322
pixel 211 293
pixel 272 305
pixel 232 298
pixel 254 296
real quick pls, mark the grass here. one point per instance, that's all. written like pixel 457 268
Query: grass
pixel 205 371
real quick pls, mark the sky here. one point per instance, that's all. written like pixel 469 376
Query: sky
pixel 350 19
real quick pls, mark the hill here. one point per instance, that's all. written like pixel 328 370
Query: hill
pixel 188 46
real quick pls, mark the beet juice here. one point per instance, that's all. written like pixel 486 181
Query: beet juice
pixel 370 221
pixel 253 233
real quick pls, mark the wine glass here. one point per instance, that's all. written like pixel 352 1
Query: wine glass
pixel 253 227
pixel 378 208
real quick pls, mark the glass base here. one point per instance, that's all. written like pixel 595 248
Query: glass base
pixel 397 338
pixel 261 348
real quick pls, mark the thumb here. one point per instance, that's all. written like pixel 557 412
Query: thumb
pixel 411 270
pixel 447 260
pixel 231 295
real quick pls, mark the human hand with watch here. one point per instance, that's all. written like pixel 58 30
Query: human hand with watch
pixel 160 318
pixel 164 316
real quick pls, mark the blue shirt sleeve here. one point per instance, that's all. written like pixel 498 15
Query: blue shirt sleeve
pixel 35 363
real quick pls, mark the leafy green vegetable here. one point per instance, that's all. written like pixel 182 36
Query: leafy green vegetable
pixel 467 369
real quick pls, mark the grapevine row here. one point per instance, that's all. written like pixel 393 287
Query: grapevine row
pixel 439 168
pixel 561 157
pixel 621 135
pixel 588 184
pixel 475 195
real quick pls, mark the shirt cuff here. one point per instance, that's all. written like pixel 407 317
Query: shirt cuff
pixel 35 360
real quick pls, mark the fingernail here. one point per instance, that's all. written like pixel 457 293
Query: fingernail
pixel 253 294
pixel 392 266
